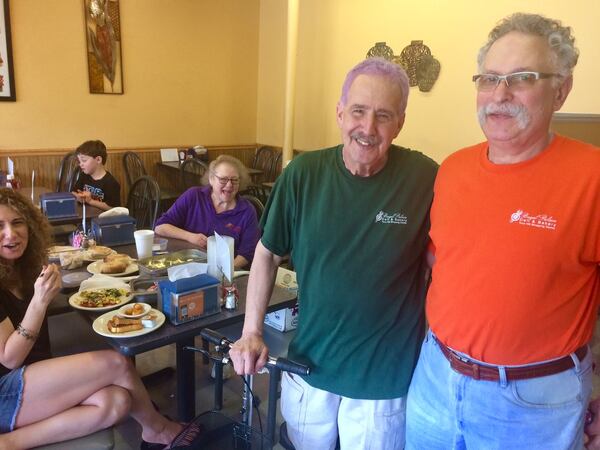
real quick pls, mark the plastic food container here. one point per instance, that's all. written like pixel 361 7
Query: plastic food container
pixel 146 289
pixel 157 265
pixel 160 244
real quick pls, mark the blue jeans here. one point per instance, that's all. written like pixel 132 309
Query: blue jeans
pixel 449 411
pixel 11 394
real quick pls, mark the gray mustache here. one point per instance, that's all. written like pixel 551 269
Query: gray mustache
pixel 503 108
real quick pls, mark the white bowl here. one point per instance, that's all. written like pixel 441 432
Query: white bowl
pixel 125 311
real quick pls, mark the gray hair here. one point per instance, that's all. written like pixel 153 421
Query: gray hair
pixel 560 40
pixel 232 161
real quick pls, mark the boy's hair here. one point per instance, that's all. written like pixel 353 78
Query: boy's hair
pixel 93 149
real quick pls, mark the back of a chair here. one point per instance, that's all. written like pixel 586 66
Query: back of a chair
pixel 68 173
pixel 134 167
pixel 143 202
pixel 263 160
pixel 258 205
pixel 275 169
pixel 192 171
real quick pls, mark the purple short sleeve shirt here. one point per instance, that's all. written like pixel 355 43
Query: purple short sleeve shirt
pixel 194 212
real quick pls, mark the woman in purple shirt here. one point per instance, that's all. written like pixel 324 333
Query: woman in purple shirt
pixel 200 211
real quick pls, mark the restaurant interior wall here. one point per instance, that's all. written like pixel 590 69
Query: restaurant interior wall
pixel 336 34
pixel 189 69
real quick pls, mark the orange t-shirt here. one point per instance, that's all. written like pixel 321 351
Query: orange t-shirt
pixel 517 248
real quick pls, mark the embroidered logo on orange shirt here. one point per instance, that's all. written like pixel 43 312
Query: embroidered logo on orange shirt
pixel 540 221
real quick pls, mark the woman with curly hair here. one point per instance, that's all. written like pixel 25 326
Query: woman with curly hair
pixel 44 399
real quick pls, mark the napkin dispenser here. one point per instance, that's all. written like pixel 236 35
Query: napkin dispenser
pixel 113 230
pixel 189 298
pixel 58 205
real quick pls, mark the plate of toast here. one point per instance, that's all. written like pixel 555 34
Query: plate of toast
pixel 115 265
pixel 111 324
pixel 100 299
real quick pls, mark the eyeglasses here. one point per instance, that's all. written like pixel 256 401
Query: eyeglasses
pixel 224 180
pixel 517 80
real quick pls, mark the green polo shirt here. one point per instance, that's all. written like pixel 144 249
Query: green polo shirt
pixel 357 244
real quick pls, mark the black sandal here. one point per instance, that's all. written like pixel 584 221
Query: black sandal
pixel 190 437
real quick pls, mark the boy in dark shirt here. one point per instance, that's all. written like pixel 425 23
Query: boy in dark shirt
pixel 96 186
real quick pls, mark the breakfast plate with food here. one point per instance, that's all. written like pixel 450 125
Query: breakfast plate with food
pixel 114 265
pixel 100 299
pixel 111 324
pixel 97 253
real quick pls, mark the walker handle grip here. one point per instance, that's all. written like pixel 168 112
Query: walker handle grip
pixel 289 366
pixel 214 337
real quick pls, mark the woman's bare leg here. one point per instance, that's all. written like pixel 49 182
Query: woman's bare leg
pixel 101 410
pixel 59 384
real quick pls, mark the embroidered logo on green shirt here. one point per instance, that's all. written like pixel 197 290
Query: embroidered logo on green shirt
pixel 396 218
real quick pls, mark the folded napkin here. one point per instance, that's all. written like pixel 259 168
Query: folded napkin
pixel 186 270
pixel 102 281
pixel 117 211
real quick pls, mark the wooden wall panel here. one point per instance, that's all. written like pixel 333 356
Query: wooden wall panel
pixel 46 162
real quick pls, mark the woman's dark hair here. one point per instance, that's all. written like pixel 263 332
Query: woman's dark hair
pixel 27 268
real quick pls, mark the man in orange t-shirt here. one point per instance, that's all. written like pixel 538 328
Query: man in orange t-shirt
pixel 515 229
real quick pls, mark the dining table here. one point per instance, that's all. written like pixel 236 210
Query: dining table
pixel 183 335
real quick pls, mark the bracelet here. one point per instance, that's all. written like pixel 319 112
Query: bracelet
pixel 27 334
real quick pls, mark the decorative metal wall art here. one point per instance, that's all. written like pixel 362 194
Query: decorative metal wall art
pixel 7 76
pixel 428 70
pixel 411 56
pixel 103 36
pixel 416 59
pixel 382 50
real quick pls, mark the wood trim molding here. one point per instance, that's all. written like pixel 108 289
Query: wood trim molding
pixel 63 151
pixel 575 117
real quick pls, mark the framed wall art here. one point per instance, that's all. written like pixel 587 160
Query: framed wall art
pixel 103 37
pixel 7 77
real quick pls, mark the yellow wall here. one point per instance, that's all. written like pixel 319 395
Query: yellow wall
pixel 189 70
pixel 336 34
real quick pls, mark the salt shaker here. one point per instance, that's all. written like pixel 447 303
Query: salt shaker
pixel 231 297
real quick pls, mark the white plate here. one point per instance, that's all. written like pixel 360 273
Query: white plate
pixel 100 325
pixel 74 302
pixel 95 268
pixel 87 255
pixel 122 309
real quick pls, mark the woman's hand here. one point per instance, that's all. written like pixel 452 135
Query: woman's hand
pixel 198 239
pixel 47 285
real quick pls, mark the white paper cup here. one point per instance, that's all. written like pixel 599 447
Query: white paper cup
pixel 143 243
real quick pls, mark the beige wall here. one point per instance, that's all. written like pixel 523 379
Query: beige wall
pixel 189 70
pixel 336 34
